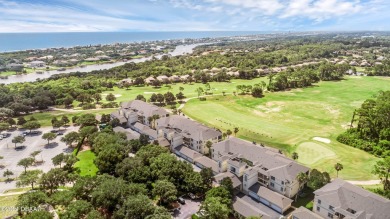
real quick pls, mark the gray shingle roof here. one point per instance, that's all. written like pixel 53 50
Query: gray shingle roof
pixel 143 108
pixel 343 195
pixel 207 162
pixel 247 210
pixel 146 130
pixel 130 134
pixel 274 197
pixel 188 128
pixel 304 213
pixel 235 180
pixel 264 159
pixel 188 152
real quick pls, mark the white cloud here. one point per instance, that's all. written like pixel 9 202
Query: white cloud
pixel 263 6
pixel 320 9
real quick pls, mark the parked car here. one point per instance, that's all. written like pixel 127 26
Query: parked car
pixel 54 131
pixel 60 133
pixel 192 196
pixel 181 200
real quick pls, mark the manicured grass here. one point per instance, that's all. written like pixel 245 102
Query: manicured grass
pixel 18 190
pixel 10 202
pixel 189 89
pixel 289 121
pixel 85 163
pixel 44 118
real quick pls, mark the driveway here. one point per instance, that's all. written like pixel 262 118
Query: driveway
pixel 32 143
pixel 188 209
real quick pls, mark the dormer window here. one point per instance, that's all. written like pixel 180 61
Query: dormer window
pixel 272 178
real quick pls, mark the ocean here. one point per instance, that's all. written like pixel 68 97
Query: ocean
pixel 24 41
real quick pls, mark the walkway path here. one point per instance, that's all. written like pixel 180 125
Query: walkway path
pixel 365 183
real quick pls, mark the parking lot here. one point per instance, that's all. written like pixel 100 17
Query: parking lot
pixel 12 155
pixel 188 209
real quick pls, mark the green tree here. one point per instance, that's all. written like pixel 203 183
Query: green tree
pixel 65 120
pixel 29 178
pixel 41 214
pixel 11 122
pixel 18 140
pixel 77 209
pixel 111 193
pixel 86 120
pixel 53 179
pixel 97 97
pixel 35 153
pixel 3 126
pixel 236 131
pixel 165 190
pixel 338 167
pixel 200 91
pixel 317 179
pixel 169 97
pixel 21 121
pixel 71 138
pixel 302 179
pixel 228 132
pixel 207 177
pixel 58 159
pixel 222 193
pixel 136 206
pixel 214 208
pixel 228 185
pixel 49 137
pixel 30 125
pixel 63 198
pixel 7 173
pixel 31 200
pixel 26 162
pixel 382 169
pixel 110 97
pixel 295 156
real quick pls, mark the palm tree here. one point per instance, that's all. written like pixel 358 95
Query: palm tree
pixel 228 132
pixel 155 117
pixel 235 131
pixel 208 145
pixel 294 155
pixel 302 178
pixel 338 167
pixel 150 119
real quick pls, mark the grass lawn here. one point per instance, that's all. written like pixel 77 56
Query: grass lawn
pixel 8 201
pixel 85 163
pixel 44 118
pixel 189 89
pixel 290 120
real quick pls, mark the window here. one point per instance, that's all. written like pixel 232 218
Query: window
pixel 273 178
pixel 282 182
pixel 331 207
pixel 319 201
pixel 330 215
pixel 272 185
pixel 232 169
pixel 318 209
pixel 219 164
pixel 245 178
pixel 281 189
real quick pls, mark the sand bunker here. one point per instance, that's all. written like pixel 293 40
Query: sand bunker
pixel 149 92
pixel 323 140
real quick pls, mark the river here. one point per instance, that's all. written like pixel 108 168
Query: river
pixel 179 50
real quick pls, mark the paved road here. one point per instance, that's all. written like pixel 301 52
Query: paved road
pixel 32 143
pixel 188 209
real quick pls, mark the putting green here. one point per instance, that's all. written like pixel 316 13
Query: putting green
pixel 311 152
pixel 290 120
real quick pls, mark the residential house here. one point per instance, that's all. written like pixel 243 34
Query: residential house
pixel 340 199
pixel 130 134
pixel 138 111
pixel 258 166
pixel 163 78
pixel 303 213
pixel 150 80
pixel 37 64
pixel 174 79
pixel 182 131
pixel 146 130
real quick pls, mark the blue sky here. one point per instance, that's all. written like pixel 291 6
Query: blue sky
pixel 193 15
